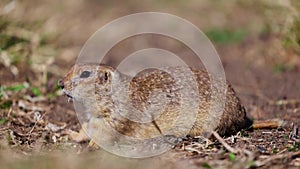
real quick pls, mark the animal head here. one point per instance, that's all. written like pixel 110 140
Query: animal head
pixel 84 82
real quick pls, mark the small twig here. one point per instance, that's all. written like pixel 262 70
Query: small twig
pixel 294 134
pixel 276 157
pixel 222 141
pixel 282 151
pixel 296 110
pixel 35 123
pixel 250 154
pixel 9 112
pixel 193 149
pixel 267 132
pixel 272 123
pixel 156 126
pixel 285 102
pixel 296 140
pixel 295 130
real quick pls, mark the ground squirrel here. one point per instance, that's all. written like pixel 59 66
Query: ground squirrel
pixel 91 84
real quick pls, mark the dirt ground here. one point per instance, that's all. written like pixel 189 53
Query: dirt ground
pixel 40 41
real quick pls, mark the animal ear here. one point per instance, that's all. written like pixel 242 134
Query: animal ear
pixel 104 77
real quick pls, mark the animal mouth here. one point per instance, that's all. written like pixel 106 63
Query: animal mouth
pixel 70 97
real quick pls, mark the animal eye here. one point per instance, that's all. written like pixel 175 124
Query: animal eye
pixel 85 74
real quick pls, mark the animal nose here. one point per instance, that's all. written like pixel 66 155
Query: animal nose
pixel 61 83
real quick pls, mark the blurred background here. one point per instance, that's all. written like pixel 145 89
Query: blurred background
pixel 258 42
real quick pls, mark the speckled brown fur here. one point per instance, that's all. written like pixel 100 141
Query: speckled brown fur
pixel 99 85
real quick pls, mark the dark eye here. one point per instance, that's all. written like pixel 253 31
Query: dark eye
pixel 85 74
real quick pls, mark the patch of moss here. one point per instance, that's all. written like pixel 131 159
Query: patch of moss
pixel 6 41
pixel 6 104
pixel 3 121
pixel 1 92
pixel 231 157
pixel 47 38
pixel 295 147
pixel 226 36
pixel 15 88
pixel 281 67
pixel 206 165
pixel 36 91
pixel 3 23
